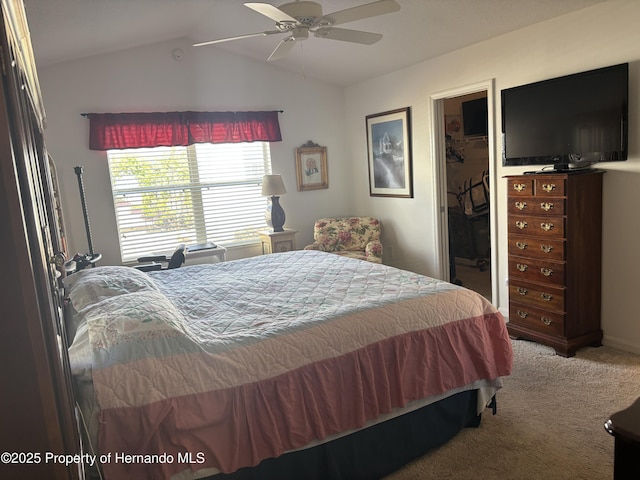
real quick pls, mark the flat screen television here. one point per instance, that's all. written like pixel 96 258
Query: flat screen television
pixel 567 122
pixel 475 117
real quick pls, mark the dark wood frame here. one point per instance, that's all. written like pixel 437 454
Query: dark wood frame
pixel 37 403
pixel 384 158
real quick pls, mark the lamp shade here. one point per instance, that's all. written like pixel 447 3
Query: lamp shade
pixel 273 185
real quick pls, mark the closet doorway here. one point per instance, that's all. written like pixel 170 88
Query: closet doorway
pixel 464 157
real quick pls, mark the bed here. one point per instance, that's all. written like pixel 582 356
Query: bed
pixel 292 365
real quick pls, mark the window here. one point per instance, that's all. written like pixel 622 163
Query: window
pixel 164 196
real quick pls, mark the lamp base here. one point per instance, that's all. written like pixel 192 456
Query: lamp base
pixel 275 215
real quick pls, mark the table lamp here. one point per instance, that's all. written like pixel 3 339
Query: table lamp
pixel 273 186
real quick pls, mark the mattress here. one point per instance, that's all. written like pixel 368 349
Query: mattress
pixel 228 364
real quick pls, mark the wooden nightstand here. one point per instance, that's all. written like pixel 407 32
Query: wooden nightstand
pixel 276 242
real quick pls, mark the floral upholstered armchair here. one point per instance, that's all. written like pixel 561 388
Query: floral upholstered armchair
pixel 355 237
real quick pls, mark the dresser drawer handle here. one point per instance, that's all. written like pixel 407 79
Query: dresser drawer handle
pixel 522 314
pixel 521 245
pixel 519 187
pixel 547 297
pixel 521 205
pixel 546 248
pixel 547 321
pixel 546 206
pixel 546 226
pixel 522 267
pixel 521 224
pixel 547 272
pixel 523 291
pixel 548 187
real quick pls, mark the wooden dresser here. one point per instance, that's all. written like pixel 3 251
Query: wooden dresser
pixel 555 243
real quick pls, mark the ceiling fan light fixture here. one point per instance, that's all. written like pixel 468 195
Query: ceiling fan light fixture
pixel 300 33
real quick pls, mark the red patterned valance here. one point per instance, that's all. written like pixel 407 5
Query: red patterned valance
pixel 134 130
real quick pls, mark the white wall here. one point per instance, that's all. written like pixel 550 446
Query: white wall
pixel 599 36
pixel 150 79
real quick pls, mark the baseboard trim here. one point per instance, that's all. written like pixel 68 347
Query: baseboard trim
pixel 619 344
pixel 607 340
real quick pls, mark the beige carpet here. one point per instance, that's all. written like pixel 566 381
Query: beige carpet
pixel 549 424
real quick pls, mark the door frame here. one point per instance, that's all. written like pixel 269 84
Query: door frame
pixel 439 155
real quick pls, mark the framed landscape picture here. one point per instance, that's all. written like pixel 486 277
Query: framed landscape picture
pixel 389 152
pixel 311 167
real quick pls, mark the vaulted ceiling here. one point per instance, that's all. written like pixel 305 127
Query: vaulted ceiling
pixel 63 30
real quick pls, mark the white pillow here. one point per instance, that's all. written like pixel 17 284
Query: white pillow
pixel 92 285
pixel 130 317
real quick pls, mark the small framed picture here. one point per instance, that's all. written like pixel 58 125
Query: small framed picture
pixel 311 167
pixel 389 152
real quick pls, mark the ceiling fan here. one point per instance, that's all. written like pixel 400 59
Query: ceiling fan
pixel 299 18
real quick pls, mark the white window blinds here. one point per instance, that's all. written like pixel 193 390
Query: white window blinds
pixel 165 196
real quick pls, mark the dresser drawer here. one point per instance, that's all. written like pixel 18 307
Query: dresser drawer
pixel 537 319
pixel 548 248
pixel 520 187
pixel 539 225
pixel 540 296
pixel 537 270
pixel 550 186
pixel 536 205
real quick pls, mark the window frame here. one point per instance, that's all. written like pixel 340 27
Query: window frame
pixel 202 211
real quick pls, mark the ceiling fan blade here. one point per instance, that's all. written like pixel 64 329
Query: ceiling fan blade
pixel 367 10
pixel 283 48
pixel 228 39
pixel 274 13
pixel 347 35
